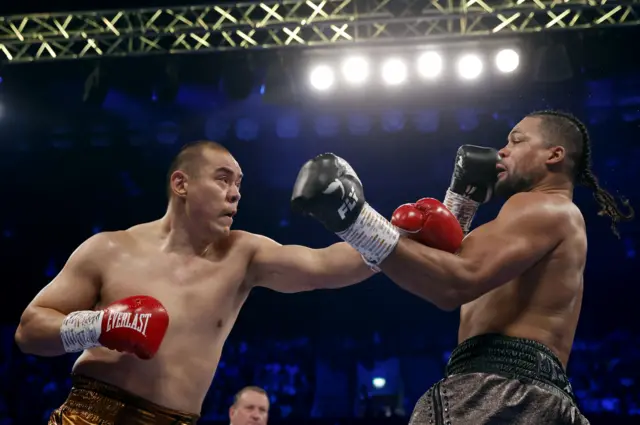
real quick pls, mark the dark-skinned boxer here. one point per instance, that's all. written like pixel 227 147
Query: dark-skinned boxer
pixel 518 279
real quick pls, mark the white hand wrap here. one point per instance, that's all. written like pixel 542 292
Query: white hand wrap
pixel 81 330
pixel 372 236
pixel 463 208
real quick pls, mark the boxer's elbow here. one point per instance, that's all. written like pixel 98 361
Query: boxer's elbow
pixel 25 342
pixel 469 284
pixel 462 288
pixel 21 339
pixel 451 298
pixel 449 303
pixel 38 332
pixel 440 293
pixel 23 335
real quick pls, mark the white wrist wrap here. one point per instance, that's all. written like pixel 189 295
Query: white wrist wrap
pixel 372 236
pixel 81 330
pixel 463 208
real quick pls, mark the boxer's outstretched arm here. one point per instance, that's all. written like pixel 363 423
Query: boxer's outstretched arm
pixel 526 229
pixel 75 288
pixel 294 268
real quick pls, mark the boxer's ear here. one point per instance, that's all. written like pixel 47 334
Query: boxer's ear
pixel 179 183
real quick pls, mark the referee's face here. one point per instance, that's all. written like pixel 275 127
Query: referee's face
pixel 252 408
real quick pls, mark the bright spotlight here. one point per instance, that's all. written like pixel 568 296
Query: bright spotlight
pixel 355 70
pixel 322 77
pixel 394 72
pixel 469 67
pixel 430 64
pixel 507 60
pixel 379 383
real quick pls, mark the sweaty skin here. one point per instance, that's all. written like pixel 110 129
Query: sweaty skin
pixel 521 274
pixel 202 287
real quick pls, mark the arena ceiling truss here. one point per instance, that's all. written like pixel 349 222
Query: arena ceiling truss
pixel 292 23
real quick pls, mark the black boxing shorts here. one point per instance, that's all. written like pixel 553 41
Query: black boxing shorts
pixel 496 379
pixel 92 402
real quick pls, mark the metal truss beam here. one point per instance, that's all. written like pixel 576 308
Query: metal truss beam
pixel 288 23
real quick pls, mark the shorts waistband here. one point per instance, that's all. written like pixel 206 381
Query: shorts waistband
pixel 106 403
pixel 516 358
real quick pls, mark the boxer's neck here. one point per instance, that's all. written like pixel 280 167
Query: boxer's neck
pixel 554 184
pixel 181 236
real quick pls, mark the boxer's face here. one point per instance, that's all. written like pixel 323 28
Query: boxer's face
pixel 526 158
pixel 213 193
pixel 252 408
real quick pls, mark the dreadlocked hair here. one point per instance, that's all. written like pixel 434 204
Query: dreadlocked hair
pixel 571 130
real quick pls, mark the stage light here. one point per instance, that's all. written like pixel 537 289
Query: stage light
pixel 355 70
pixel 322 77
pixel 379 383
pixel 469 67
pixel 394 72
pixel 507 60
pixel 430 64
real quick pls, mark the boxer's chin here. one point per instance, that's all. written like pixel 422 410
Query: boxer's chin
pixel 220 228
pixel 509 185
pixel 225 230
pixel 504 188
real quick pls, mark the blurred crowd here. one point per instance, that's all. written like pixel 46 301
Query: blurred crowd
pixel 300 374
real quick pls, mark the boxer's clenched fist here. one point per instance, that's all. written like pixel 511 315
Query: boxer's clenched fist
pixel 328 189
pixel 134 325
pixel 429 222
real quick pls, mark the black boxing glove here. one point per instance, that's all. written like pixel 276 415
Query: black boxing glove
pixel 474 177
pixel 328 189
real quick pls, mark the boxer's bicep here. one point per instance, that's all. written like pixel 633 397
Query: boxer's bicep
pixel 295 268
pixel 503 249
pixel 77 285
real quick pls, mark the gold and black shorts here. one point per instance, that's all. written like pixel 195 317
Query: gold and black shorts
pixel 92 402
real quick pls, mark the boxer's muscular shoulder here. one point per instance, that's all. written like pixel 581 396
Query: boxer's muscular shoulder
pixel 250 242
pixel 100 247
pixel 105 249
pixel 256 247
pixel 252 245
pixel 551 210
pixel 77 285
pixel 138 234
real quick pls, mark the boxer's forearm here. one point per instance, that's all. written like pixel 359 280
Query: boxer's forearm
pixel 436 276
pixel 295 268
pixel 39 332
pixel 340 265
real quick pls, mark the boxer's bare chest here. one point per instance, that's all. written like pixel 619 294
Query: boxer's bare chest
pixel 198 293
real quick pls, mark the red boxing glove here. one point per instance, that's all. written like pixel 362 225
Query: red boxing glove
pixel 429 222
pixel 134 325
